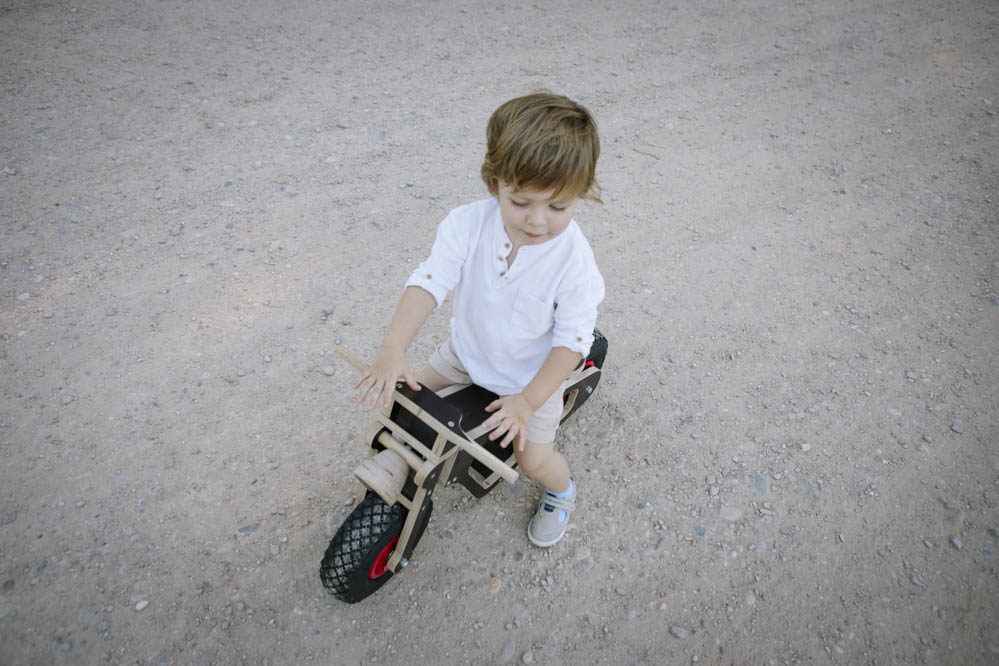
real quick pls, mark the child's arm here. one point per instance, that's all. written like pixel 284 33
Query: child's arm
pixel 379 381
pixel 512 412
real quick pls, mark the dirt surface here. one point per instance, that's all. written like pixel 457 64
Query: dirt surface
pixel 792 457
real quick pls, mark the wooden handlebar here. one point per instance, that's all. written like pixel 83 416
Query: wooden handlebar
pixel 472 448
pixel 352 358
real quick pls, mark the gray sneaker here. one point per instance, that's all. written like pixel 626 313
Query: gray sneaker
pixel 545 529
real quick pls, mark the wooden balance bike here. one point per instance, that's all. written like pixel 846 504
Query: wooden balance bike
pixel 421 439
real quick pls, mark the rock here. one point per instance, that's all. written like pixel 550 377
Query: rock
pixel 957 427
pixel 761 484
pixel 956 542
pixel 506 654
pixel 730 513
pixel 329 370
pixel 527 657
pixel 679 632
pixel 495 586
pixel 142 604
pixel 66 399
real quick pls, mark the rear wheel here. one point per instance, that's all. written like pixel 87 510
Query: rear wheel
pixel 355 563
pixel 598 350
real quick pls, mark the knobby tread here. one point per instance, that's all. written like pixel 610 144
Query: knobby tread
pixel 368 528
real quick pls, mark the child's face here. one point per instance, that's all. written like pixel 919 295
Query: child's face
pixel 531 217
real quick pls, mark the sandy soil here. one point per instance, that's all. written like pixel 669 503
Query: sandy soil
pixel 792 457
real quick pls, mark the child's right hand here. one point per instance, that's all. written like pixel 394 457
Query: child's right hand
pixel 379 381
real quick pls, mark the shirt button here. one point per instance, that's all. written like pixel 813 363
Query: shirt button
pixel 506 245
pixel 579 339
pixel 501 257
pixel 429 276
pixel 502 273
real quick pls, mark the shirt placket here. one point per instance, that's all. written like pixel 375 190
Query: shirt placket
pixel 504 246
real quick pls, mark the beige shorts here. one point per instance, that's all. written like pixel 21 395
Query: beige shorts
pixel 543 425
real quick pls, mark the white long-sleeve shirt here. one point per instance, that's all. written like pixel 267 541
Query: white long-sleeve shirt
pixel 506 318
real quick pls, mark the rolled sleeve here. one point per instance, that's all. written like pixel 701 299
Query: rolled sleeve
pixel 576 314
pixel 441 271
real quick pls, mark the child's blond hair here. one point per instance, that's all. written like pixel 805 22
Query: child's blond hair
pixel 542 141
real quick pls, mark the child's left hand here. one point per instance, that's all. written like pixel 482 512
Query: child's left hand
pixel 511 412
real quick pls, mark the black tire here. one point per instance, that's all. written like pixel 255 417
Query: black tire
pixel 598 350
pixel 353 566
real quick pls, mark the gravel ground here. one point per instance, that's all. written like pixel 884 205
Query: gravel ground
pixel 792 457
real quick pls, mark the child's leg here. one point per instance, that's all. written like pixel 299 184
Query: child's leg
pixel 432 379
pixel 548 467
pixel 545 465
pixel 443 369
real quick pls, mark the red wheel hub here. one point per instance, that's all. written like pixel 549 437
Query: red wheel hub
pixel 378 567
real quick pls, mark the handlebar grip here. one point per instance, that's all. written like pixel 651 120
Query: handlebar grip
pixel 352 358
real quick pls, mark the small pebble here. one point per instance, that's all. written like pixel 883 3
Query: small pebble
pixel 506 654
pixel 730 513
pixel 679 632
pixel 527 657
pixel 66 399
pixel 956 542
pixel 957 427
pixel 328 370
pixel 142 604
pixel 495 586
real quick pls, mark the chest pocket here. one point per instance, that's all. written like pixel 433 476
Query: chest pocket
pixel 532 315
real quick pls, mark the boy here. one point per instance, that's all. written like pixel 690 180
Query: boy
pixel 526 292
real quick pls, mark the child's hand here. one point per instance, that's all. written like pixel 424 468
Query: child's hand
pixel 511 412
pixel 379 381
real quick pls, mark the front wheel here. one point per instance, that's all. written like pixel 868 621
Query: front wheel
pixel 354 565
